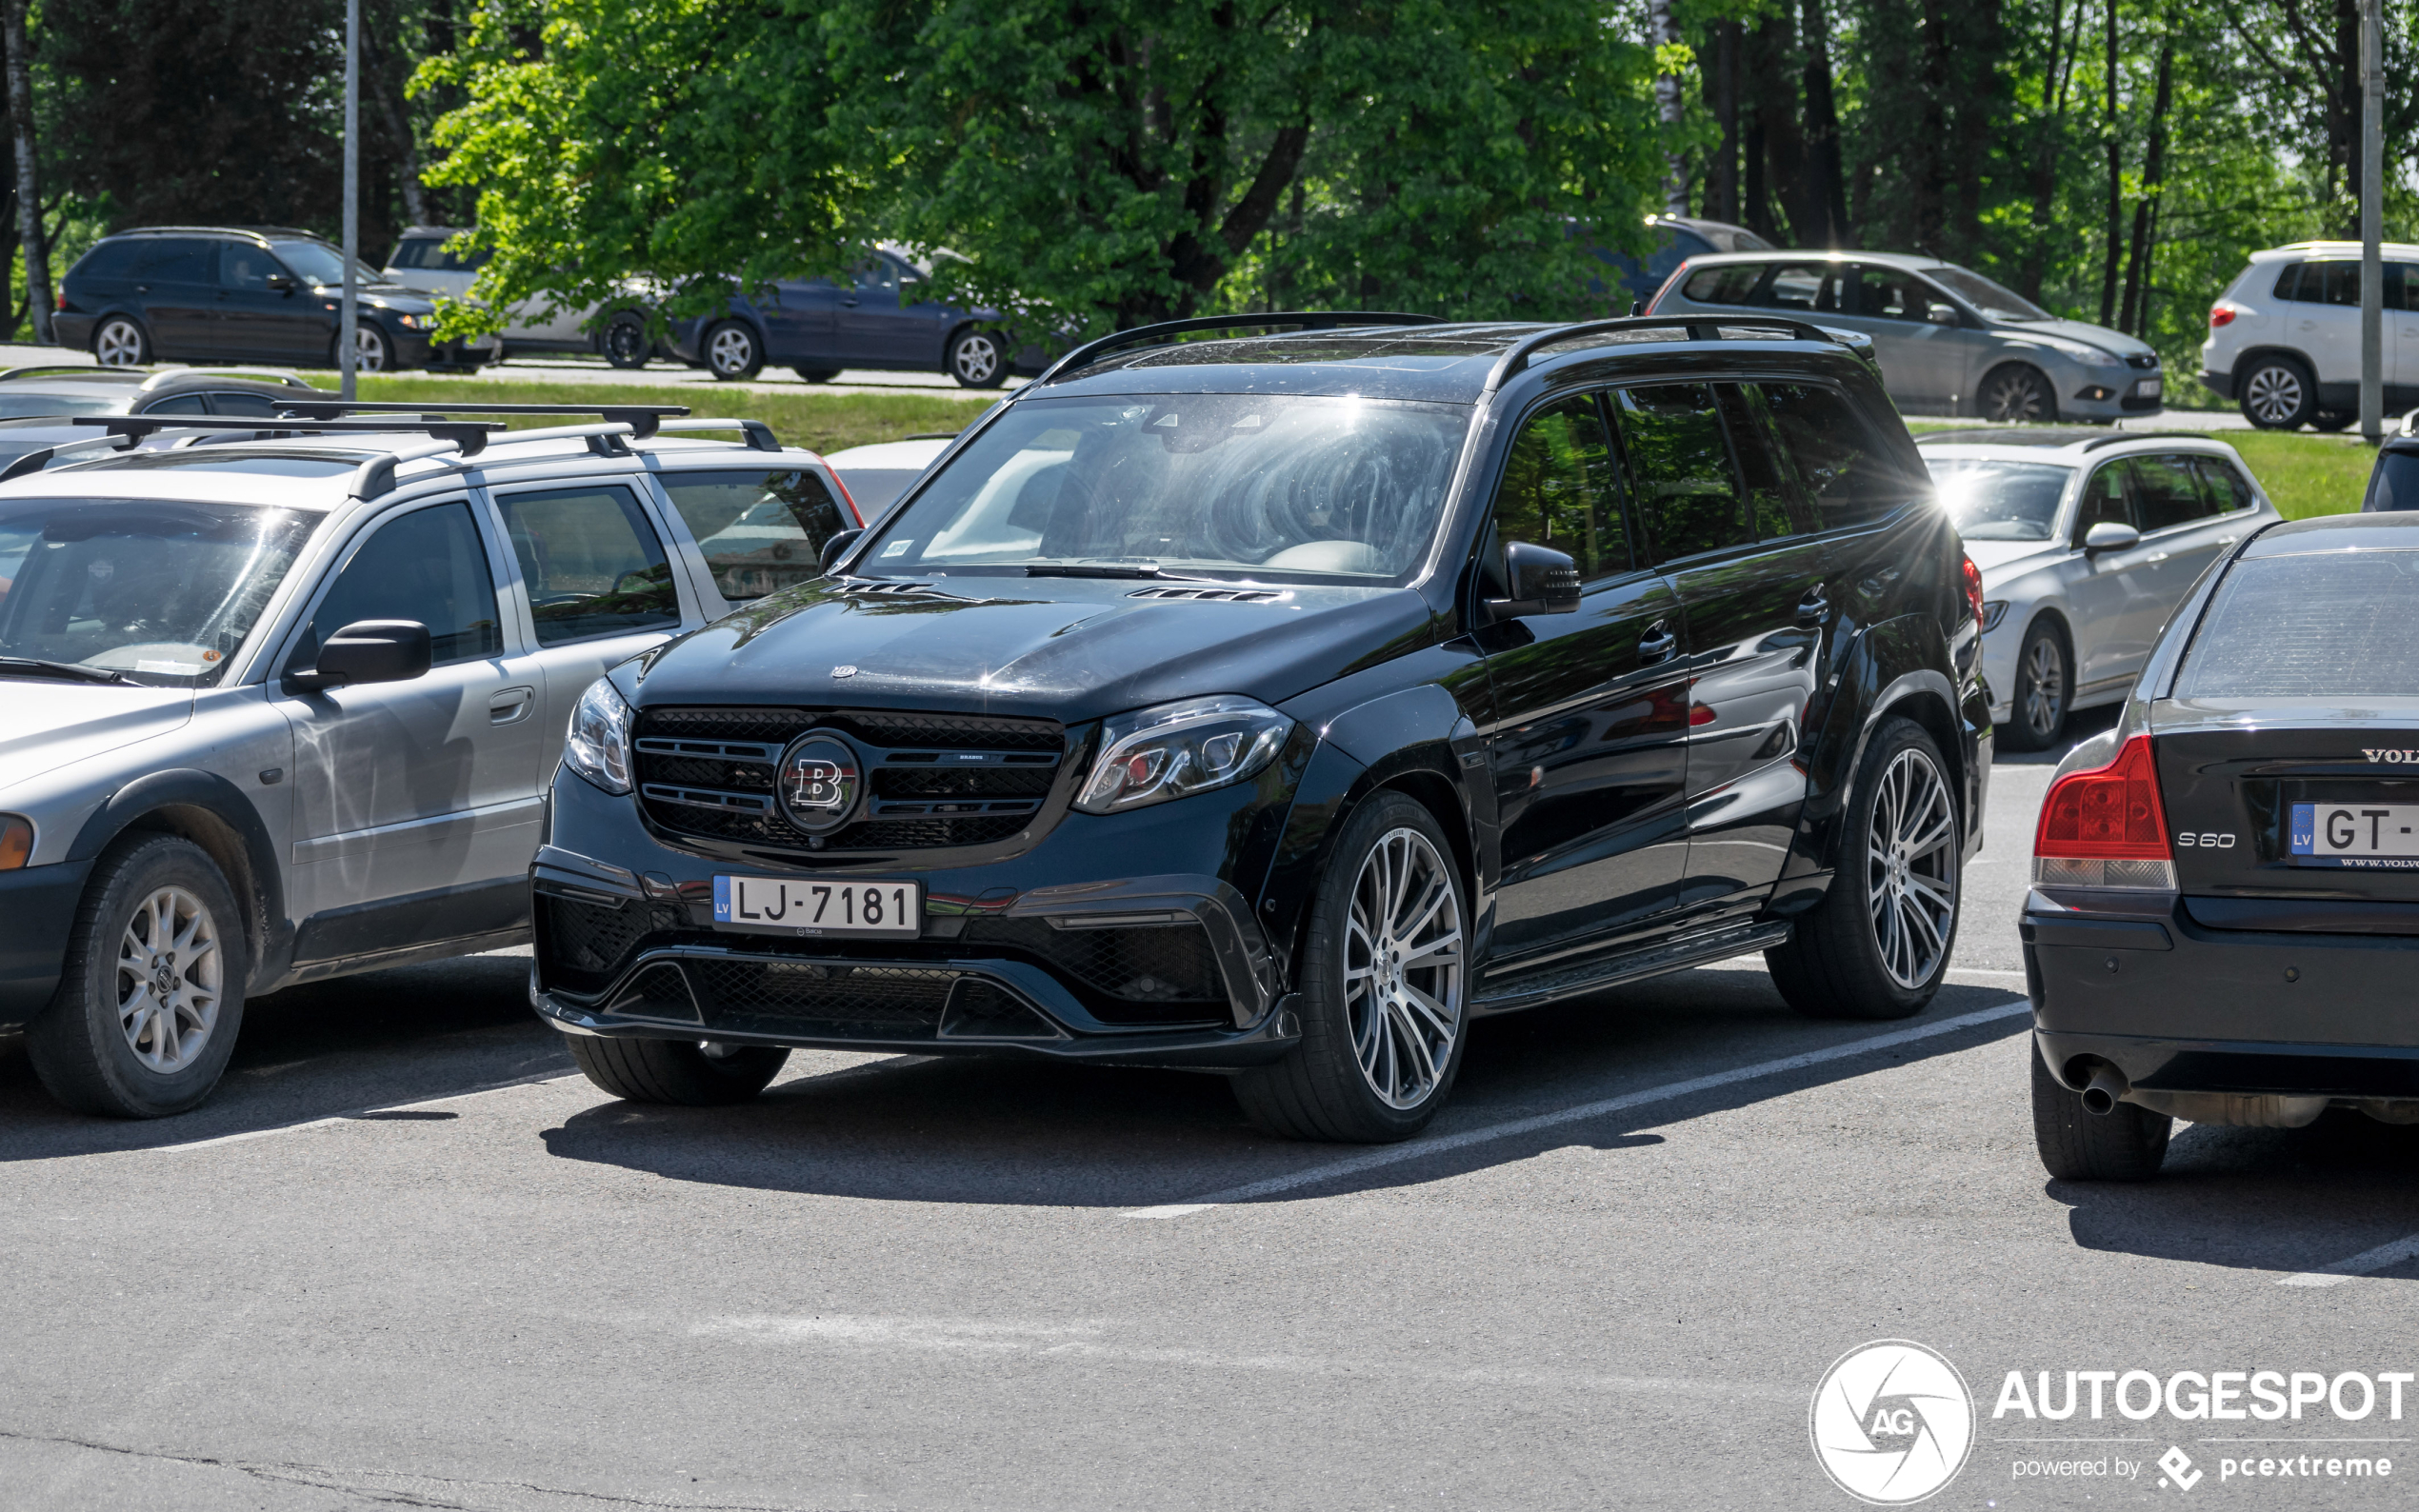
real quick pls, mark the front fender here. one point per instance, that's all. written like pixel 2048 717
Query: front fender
pixel 190 787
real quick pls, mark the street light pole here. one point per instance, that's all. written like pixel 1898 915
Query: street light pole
pixel 348 343
pixel 2372 267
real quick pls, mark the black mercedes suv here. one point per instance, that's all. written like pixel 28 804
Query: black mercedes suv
pixel 1275 703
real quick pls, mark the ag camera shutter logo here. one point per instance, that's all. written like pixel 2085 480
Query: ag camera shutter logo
pixel 1893 1423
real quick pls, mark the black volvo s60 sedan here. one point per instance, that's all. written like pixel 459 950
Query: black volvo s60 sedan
pixel 1275 703
pixel 2225 905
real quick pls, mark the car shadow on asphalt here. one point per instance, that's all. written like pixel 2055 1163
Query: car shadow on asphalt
pixel 2080 726
pixel 317 1051
pixel 997 1131
pixel 2261 1198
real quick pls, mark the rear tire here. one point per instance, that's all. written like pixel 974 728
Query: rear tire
pixel 156 915
pixel 680 1071
pixel 624 341
pixel 1384 978
pixel 2127 1145
pixel 2044 687
pixel 2278 393
pixel 121 341
pixel 1878 944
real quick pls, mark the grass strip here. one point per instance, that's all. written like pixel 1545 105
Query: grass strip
pixel 817 422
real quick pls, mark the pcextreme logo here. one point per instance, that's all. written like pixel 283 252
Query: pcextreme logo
pixel 1893 1423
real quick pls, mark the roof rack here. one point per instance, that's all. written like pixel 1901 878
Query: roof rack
pixel 643 420
pixel 2118 438
pixel 1161 334
pixel 470 435
pixel 1700 328
pixel 80 369
pixel 258 375
pixel 759 435
pixel 39 458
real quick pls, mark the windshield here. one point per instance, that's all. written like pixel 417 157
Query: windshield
pixel 2000 501
pixel 1995 302
pixel 164 592
pixel 20 406
pixel 318 263
pixel 1190 483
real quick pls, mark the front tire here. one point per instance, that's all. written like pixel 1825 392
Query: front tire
pixel 1877 946
pixel 681 1071
pixel 624 341
pixel 2127 1145
pixel 2278 394
pixel 1383 977
pixel 2016 394
pixel 979 359
pixel 372 352
pixel 732 353
pixel 2043 687
pixel 121 341
pixel 148 1008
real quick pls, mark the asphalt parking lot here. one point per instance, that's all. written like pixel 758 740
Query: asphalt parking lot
pixel 407 1257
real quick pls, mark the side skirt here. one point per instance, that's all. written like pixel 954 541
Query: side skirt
pixel 1672 955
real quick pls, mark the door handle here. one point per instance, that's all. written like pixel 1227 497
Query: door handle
pixel 510 704
pixel 847 303
pixel 1657 645
pixel 1811 608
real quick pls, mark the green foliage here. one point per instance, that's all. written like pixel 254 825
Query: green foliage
pixel 820 422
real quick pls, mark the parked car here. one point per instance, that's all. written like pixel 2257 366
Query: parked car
pixel 2087 542
pixel 215 293
pixel 1677 238
pixel 2393 478
pixel 37 403
pixel 284 710
pixel 875 475
pixel 421 261
pixel 1950 341
pixel 2225 886
pixel 877 318
pixel 1276 705
pixel 2284 339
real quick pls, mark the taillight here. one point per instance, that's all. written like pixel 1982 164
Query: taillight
pixel 1974 593
pixel 2222 315
pixel 2106 828
pixel 1666 286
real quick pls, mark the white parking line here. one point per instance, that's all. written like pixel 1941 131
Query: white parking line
pixel 2365 1263
pixel 1420 1149
pixel 361 1112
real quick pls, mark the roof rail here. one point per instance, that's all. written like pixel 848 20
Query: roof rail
pixel 1161 334
pixel 2118 438
pixel 641 418
pixel 81 369
pixel 759 435
pixel 40 457
pixel 258 375
pixel 1700 328
pixel 470 436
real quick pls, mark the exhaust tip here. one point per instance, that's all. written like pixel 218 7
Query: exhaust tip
pixel 2104 1092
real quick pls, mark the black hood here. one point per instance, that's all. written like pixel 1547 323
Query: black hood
pixel 1069 649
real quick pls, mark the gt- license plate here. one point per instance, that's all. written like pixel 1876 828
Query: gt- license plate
pixel 794 905
pixel 2384 836
pixel 2147 388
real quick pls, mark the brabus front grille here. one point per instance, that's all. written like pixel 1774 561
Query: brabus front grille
pixel 933 780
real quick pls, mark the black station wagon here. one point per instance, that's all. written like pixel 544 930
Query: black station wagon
pixel 1275 700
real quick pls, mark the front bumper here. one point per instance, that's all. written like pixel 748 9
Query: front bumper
pixel 37 910
pixel 2205 1022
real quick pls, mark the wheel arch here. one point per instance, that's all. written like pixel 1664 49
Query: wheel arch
pixel 2251 356
pixel 213 813
pixel 1906 664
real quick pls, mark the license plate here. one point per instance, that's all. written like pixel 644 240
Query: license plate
pixel 2380 836
pixel 794 905
pixel 2147 388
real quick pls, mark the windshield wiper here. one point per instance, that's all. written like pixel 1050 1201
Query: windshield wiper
pixel 1090 569
pixel 36 666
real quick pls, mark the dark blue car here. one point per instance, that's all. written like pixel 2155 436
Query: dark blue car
pixel 879 318
pixel 1676 239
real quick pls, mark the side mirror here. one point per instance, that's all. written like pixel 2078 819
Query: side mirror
pixel 1537 580
pixel 368 651
pixel 280 283
pixel 2109 536
pixel 837 545
pixel 1943 315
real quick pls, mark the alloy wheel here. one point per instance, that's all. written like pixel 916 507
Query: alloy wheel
pixel 731 351
pixel 1403 969
pixel 1911 879
pixel 169 979
pixel 2274 395
pixel 119 345
pixel 977 360
pixel 2015 396
pixel 368 350
pixel 2045 699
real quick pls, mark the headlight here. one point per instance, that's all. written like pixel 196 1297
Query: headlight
pixel 1182 748
pixel 410 322
pixel 1993 611
pixel 2088 356
pixel 599 745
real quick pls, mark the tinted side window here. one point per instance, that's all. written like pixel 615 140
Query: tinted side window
pixel 760 531
pixel 1885 293
pixel 1560 490
pixel 1773 503
pixel 1842 464
pixel 2229 490
pixel 592 561
pixel 2288 280
pixel 1802 285
pixel 242 267
pixel 180 405
pixel 109 260
pixel 176 260
pixel 2104 501
pixel 1680 471
pixel 426 566
pixel 417 252
pixel 2393 485
pixel 1729 284
pixel 254 406
pixel 2168 491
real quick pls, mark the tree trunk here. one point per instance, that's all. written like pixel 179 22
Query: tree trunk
pixel 1825 195
pixel 1722 176
pixel 1667 100
pixel 1776 120
pixel 2045 163
pixel 37 246
pixel 2134 315
pixel 2116 183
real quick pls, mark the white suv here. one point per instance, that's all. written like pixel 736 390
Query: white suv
pixel 2284 339
pixel 283 709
